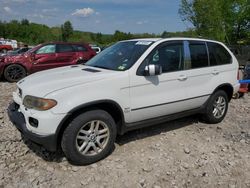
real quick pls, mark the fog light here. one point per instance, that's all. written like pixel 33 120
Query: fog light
pixel 33 122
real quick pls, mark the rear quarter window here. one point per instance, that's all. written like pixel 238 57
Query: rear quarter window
pixel 218 55
pixel 80 48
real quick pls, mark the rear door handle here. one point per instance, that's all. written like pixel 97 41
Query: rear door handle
pixel 215 72
pixel 182 78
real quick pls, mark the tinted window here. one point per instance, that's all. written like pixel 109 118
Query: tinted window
pixel 169 56
pixel 51 48
pixel 198 53
pixel 64 48
pixel 218 54
pixel 79 48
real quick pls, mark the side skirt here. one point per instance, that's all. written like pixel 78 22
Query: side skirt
pixel 154 121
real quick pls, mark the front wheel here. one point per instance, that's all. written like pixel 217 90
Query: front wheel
pixel 216 108
pixel 89 137
pixel 14 73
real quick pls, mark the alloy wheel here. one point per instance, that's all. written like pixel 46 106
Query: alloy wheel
pixel 92 138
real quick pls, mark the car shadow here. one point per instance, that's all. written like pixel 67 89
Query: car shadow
pixel 156 129
pixel 142 133
pixel 41 152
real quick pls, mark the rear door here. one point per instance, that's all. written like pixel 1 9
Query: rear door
pixel 66 55
pixel 208 68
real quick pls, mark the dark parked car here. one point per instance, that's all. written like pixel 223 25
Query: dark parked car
pixel 18 51
pixel 44 56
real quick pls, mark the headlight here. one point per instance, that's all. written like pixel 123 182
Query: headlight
pixel 38 103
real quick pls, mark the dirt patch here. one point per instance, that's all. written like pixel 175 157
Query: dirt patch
pixel 181 153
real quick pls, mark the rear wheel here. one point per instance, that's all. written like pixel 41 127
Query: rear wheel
pixel 14 73
pixel 216 108
pixel 89 137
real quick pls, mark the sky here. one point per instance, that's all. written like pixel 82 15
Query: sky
pixel 105 16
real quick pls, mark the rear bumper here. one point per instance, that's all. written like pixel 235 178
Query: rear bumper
pixel 17 118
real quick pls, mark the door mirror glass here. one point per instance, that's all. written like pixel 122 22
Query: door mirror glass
pixel 152 70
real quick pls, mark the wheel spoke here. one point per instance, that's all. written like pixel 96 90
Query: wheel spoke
pixel 82 138
pixel 102 131
pixel 99 144
pixel 92 126
pixel 103 136
pixel 83 146
pixel 84 132
pixel 97 126
pixel 87 148
pixel 95 148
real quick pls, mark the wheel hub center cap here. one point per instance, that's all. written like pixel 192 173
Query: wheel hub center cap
pixel 92 137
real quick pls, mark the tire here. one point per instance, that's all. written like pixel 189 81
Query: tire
pixel 216 108
pixel 241 95
pixel 236 95
pixel 14 73
pixel 78 141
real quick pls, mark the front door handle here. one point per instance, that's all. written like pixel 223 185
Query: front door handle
pixel 215 72
pixel 182 78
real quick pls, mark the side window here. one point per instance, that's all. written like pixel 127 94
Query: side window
pixel 218 54
pixel 48 49
pixel 198 53
pixel 64 48
pixel 169 56
pixel 79 48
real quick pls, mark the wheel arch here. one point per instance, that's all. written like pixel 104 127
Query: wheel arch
pixel 10 64
pixel 228 88
pixel 16 63
pixel 112 107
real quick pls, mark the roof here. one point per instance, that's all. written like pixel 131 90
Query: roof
pixel 171 38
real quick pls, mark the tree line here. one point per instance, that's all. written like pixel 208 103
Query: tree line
pixel 224 20
pixel 34 33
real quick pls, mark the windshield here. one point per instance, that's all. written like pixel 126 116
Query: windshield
pixel 121 56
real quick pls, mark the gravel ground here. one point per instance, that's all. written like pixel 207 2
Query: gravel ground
pixel 181 153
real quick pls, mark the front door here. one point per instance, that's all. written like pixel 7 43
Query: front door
pixel 44 58
pixel 165 94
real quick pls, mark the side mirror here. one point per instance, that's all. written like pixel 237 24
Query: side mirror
pixel 152 70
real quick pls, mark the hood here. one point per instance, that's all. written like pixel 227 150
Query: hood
pixel 42 83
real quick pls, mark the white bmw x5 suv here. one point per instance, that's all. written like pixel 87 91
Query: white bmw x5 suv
pixel 132 84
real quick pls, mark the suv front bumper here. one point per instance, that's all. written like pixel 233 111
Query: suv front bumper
pixel 17 118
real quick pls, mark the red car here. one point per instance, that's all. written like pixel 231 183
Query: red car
pixel 44 56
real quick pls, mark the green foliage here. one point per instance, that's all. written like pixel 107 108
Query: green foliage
pixel 224 20
pixel 67 30
pixel 33 34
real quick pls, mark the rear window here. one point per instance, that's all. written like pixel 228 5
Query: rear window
pixel 79 48
pixel 198 53
pixel 218 54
